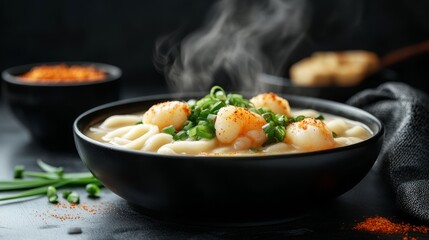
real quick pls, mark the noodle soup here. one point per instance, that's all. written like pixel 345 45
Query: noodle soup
pixel 228 125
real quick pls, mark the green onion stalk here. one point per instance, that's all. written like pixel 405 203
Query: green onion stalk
pixel 45 182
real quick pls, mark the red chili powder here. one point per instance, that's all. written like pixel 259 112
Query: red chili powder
pixel 62 73
pixel 64 211
pixel 379 224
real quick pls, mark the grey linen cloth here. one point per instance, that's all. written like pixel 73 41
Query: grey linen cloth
pixel 404 157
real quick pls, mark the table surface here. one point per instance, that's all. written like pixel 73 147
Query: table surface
pixel 110 217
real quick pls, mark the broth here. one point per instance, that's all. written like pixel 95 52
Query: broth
pixel 122 131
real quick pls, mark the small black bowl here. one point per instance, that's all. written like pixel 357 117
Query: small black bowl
pixel 48 110
pixel 227 190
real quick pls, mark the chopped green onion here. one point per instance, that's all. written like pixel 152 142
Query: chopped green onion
pixel 267 116
pixel 18 172
pixel 212 117
pixel 299 118
pixel 191 102
pixel 192 132
pixel 201 131
pixel 217 92
pixel 204 113
pixel 215 107
pixel 182 135
pixel 66 193
pixel 51 192
pixel 204 132
pixel 188 125
pixel 269 130
pixel 204 122
pixel 320 117
pixel 73 197
pixel 139 122
pixel 53 199
pixel 93 190
pixel 169 130
pixel 265 109
pixel 281 120
pixel 279 133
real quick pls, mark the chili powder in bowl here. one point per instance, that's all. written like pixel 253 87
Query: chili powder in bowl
pixel 63 73
pixel 47 97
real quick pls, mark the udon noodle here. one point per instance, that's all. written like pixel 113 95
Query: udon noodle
pixel 228 124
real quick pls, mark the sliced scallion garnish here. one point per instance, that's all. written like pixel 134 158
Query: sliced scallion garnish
pixel 320 117
pixel 73 197
pixel 51 193
pixel 169 130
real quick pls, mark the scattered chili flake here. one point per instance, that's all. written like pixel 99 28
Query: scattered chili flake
pixel 66 216
pixel 63 73
pixel 383 225
pixel 71 212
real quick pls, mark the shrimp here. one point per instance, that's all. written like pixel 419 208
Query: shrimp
pixel 309 134
pixel 239 127
pixel 275 103
pixel 167 113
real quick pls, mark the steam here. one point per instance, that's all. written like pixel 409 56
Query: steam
pixel 242 39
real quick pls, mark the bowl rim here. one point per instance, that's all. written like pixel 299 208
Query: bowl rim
pixel 113 73
pixel 279 81
pixel 136 100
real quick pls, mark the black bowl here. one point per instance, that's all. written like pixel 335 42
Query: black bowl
pixel 227 190
pixel 47 111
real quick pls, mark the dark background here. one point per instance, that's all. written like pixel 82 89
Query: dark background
pixel 123 33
